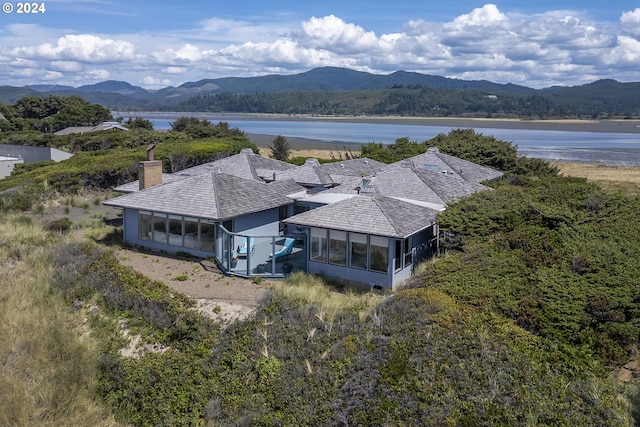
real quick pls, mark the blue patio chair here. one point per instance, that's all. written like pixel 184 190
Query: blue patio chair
pixel 242 251
pixel 285 250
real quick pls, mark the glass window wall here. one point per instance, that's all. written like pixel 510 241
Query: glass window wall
pixel 357 250
pixel 379 253
pixel 145 219
pixel 159 228
pixel 338 247
pixel 319 244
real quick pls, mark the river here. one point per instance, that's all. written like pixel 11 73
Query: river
pixel 573 146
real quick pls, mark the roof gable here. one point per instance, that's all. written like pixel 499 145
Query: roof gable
pixel 214 196
pixel 380 215
pixel 435 161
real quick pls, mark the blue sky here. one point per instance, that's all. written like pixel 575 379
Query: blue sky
pixel 161 43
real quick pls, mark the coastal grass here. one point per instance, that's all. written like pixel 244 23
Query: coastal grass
pixel 625 179
pixel 313 290
pixel 48 363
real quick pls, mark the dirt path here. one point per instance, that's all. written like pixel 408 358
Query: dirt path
pixel 219 296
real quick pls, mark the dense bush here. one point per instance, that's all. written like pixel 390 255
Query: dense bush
pixel 417 358
pixel 553 254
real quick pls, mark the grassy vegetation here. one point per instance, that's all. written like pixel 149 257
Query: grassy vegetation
pixel 311 356
pixel 625 179
pixel 49 364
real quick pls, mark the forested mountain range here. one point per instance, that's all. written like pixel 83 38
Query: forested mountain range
pixel 330 90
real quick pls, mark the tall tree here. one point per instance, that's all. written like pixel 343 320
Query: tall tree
pixel 280 148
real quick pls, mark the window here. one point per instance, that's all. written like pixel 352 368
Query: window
pixel 191 233
pixel 338 247
pixel 159 228
pixel 318 244
pixel 357 250
pixel 379 253
pixel 207 235
pixel 403 256
pixel 298 209
pixel 145 219
pixel 397 256
pixel 408 251
pixel 175 230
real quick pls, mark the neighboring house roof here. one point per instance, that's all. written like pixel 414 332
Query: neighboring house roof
pixel 84 129
pixel 340 171
pixel 379 215
pixel 215 196
pixel 245 164
pixel 308 174
pixel 416 185
pixel 435 161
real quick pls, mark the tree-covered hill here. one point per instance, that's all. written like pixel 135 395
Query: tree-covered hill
pixel 330 90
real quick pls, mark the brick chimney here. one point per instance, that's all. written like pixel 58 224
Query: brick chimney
pixel 150 171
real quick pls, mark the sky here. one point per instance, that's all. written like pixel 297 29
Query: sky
pixel 159 43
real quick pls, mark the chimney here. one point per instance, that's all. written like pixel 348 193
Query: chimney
pixel 150 171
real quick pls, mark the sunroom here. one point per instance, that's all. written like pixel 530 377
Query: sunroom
pixel 367 241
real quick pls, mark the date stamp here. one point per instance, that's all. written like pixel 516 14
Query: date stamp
pixel 32 8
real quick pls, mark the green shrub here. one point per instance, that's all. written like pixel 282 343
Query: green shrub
pixel 62 225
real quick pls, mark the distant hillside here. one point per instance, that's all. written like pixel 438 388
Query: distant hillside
pixel 341 79
pixel 331 90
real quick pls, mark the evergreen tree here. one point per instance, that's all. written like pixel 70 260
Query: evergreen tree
pixel 280 148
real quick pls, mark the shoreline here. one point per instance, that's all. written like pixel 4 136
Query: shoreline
pixel 568 125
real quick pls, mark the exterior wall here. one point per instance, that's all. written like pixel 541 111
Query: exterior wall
pixel 33 154
pixel 130 235
pixel 351 276
pixel 259 224
pixel 256 224
pixel 7 164
pixel 420 249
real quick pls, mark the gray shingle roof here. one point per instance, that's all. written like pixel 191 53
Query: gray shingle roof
pixel 353 167
pixel 411 183
pixel 84 129
pixel 213 196
pixel 309 174
pixel 245 164
pixel 379 215
pixel 436 161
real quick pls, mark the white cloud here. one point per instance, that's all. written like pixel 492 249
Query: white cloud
pixel 556 47
pixel 52 75
pixel 174 70
pixel 98 74
pixel 332 33
pixel 485 16
pixel 84 48
pixel 625 53
pixel 154 82
pixel 66 66
pixel 630 21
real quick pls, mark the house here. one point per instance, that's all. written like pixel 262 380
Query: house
pixel 7 164
pixel 32 154
pixel 85 129
pixel 357 221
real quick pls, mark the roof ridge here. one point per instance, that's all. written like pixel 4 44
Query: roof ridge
pixel 376 199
